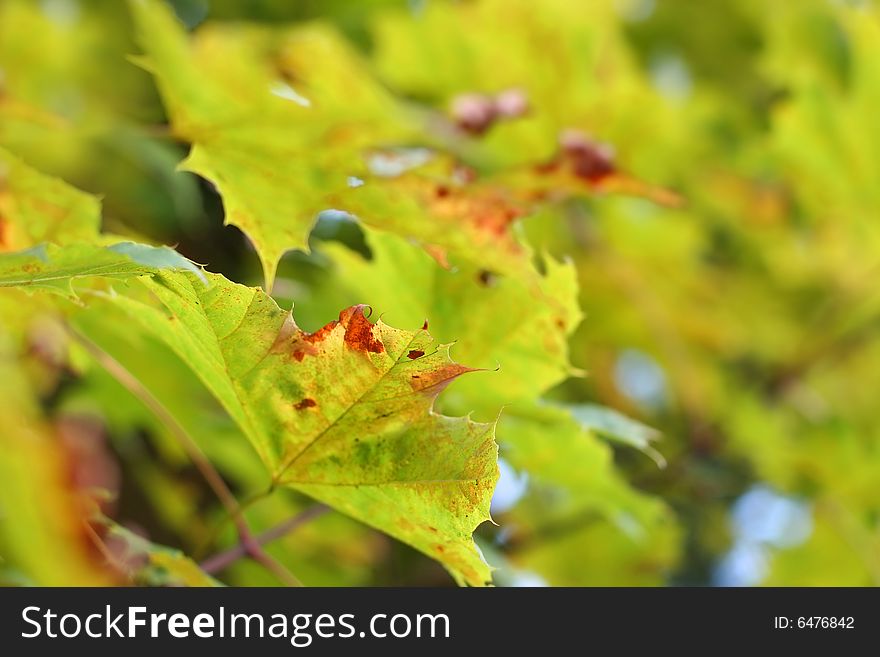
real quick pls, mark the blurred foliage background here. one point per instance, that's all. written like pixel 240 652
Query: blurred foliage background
pixel 733 309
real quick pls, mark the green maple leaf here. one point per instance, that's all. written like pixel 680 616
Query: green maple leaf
pixel 594 508
pixel 37 212
pixel 549 443
pixel 53 268
pixel 288 123
pixel 615 426
pixel 277 155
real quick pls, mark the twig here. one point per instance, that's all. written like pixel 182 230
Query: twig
pixel 223 560
pixel 212 477
pixel 242 507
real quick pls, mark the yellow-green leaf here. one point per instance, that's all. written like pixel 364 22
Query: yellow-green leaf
pixel 55 268
pixel 278 154
pixel 37 208
pixel 343 414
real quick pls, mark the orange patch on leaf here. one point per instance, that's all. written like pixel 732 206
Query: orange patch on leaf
pixel 623 184
pixel 359 331
pixel 359 335
pixel 438 253
pixel 584 162
pixel 437 379
pixel 415 353
pixel 487 210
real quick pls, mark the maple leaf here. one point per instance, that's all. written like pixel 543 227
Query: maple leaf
pixel 343 414
pixel 451 215
pixel 276 153
pixel 592 501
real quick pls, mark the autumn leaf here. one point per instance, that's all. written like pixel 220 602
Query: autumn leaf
pixel 297 125
pixel 289 123
pixel 456 219
pixel 36 208
pixel 343 414
pixel 42 515
pixel 278 120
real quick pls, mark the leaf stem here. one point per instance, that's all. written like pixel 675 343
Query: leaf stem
pixel 249 544
pixel 223 560
pixel 227 517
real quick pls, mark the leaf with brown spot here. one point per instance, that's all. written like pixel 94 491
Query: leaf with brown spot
pixel 521 326
pixel 582 166
pixel 358 331
pixel 373 447
pixel 277 162
pixel 454 218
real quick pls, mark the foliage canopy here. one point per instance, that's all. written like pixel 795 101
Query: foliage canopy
pixel 640 256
